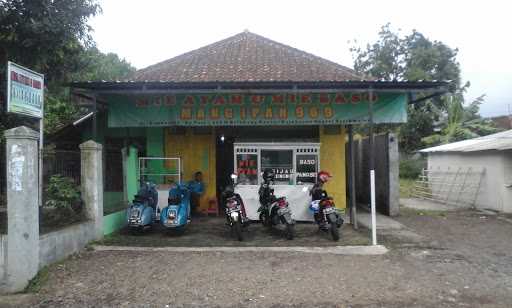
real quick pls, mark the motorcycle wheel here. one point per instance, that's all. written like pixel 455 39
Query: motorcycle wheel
pixel 335 233
pixel 238 230
pixel 265 220
pixel 290 231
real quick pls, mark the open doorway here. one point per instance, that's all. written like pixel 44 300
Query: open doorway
pixel 224 164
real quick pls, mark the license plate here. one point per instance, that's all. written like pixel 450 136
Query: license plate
pixel 329 210
pixel 283 211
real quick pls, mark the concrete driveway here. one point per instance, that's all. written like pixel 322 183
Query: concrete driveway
pixel 213 231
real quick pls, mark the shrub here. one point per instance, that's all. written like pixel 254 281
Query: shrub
pixel 62 192
pixel 411 168
pixel 63 205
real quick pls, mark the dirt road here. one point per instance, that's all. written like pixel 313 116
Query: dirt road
pixel 461 259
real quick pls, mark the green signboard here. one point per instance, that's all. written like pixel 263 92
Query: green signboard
pixel 254 109
pixel 25 91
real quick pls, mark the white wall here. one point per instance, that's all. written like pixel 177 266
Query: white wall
pixel 297 198
pixel 57 245
pixel 492 194
pixel 507 191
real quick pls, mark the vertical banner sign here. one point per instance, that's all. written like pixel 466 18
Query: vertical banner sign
pixel 25 91
pixel 306 168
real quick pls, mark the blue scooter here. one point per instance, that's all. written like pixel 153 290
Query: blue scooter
pixel 176 215
pixel 142 213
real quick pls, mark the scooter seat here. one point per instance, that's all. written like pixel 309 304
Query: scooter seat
pixel 174 200
pixel 140 198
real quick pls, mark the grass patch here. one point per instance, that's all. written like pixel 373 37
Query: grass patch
pixel 110 239
pixel 411 168
pixel 36 283
pixel 406 186
pixel 39 281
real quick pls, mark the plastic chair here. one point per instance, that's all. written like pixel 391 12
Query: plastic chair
pixel 212 207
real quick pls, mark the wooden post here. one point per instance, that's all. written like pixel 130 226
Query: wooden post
pixel 94 120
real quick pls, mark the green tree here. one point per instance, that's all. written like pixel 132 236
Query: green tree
pixel 101 66
pixel 96 66
pixel 411 57
pixel 54 38
pixel 461 122
pixel 46 35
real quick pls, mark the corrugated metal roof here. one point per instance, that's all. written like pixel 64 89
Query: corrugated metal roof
pixel 500 141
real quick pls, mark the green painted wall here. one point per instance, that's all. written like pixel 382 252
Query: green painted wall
pixel 131 173
pixel 114 222
pixel 112 201
pixel 155 148
pixel 104 131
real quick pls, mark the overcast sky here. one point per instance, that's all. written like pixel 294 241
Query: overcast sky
pixel 146 32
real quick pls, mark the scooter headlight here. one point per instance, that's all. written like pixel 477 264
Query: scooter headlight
pixel 172 215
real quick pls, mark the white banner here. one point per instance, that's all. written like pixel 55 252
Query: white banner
pixel 298 200
pixel 25 91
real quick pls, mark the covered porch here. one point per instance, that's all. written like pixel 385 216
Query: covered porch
pixel 197 108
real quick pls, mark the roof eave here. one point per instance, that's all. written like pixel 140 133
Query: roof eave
pixel 260 86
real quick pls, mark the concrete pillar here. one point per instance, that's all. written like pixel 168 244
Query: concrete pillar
pixel 124 157
pixel 22 207
pixel 394 181
pixel 132 162
pixel 92 183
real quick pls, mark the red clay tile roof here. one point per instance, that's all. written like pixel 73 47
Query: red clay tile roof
pixel 246 57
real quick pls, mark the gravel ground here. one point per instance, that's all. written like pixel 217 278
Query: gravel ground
pixel 457 259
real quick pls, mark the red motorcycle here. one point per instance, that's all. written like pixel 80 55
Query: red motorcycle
pixel 328 218
pixel 235 210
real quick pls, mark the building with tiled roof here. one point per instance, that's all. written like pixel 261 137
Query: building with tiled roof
pixel 246 57
pixel 245 104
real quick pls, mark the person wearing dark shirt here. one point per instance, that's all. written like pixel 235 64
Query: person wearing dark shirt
pixel 196 187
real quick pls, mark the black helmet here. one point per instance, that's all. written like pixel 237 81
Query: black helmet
pixel 268 175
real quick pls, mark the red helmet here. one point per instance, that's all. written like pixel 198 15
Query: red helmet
pixel 324 176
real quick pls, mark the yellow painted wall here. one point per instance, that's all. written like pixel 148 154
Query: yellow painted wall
pixel 332 159
pixel 197 153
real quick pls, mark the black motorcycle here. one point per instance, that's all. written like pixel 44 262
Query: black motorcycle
pixel 328 218
pixel 274 210
pixel 235 210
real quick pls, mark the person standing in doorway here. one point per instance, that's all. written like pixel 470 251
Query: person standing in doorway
pixel 196 187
